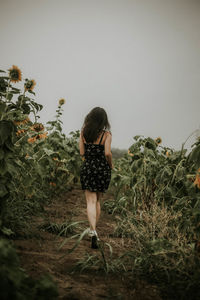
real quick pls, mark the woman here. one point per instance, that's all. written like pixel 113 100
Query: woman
pixel 95 147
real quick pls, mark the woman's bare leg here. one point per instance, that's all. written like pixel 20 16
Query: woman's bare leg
pixel 91 198
pixel 98 206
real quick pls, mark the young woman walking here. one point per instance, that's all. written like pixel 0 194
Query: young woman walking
pixel 95 147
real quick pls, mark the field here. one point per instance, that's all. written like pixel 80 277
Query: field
pixel 150 222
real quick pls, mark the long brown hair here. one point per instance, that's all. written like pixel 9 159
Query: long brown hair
pixel 95 121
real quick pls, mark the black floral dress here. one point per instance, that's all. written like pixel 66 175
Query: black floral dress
pixel 95 172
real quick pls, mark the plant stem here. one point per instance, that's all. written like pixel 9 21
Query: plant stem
pixel 8 89
pixel 22 99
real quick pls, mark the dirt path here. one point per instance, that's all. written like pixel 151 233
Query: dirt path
pixel 40 254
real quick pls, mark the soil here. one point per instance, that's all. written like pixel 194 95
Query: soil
pixel 42 254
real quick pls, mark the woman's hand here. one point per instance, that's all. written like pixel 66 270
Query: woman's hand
pixel 81 145
pixel 108 153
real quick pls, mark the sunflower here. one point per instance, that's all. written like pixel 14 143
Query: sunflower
pixel 158 140
pixel 29 84
pixel 15 74
pixel 55 158
pixel 37 127
pixel 167 153
pixel 61 101
pixel 20 132
pixel 32 140
pixel 52 183
pixel 22 122
pixel 197 181
pixel 129 153
pixel 42 135
pixel 26 120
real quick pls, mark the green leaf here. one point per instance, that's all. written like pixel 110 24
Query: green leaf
pixel 9 144
pixel 136 137
pixel 1 153
pixel 194 156
pixel 31 92
pixel 15 89
pixel 2 108
pixel 150 143
pixel 11 168
pixel 2 71
pixel 77 242
pixel 5 77
pixel 7 231
pixel 3 190
pixel 28 180
pixel 26 109
pixel 9 96
pixel 15 92
pixel 6 130
pixel 48 151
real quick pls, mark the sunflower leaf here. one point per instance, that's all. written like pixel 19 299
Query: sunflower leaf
pixel 31 92
pixel 9 96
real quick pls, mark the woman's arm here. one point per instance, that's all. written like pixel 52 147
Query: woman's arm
pixel 108 153
pixel 81 145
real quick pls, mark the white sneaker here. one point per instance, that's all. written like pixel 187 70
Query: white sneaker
pixel 92 233
pixel 95 233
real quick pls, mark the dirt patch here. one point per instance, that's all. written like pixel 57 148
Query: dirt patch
pixel 41 254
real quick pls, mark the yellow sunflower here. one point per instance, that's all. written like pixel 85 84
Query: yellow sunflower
pixel 158 140
pixel 37 127
pixel 129 153
pixel 29 84
pixel 21 122
pixel 15 74
pixel 42 135
pixel 20 132
pixel 61 101
pixel 26 120
pixel 197 181
pixel 32 140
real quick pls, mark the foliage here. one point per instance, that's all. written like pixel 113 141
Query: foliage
pixel 150 173
pixel 157 206
pixel 16 284
pixel 64 229
pixel 35 164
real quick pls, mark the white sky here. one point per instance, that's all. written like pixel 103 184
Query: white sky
pixel 140 60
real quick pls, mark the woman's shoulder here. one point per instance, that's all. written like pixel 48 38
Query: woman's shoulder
pixel 107 135
pixel 108 132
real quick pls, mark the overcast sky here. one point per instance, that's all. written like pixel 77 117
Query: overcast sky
pixel 138 59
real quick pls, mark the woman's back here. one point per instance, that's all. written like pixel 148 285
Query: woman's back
pixel 100 139
pixel 95 171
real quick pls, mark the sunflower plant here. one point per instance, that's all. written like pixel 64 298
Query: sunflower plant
pixel 29 174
